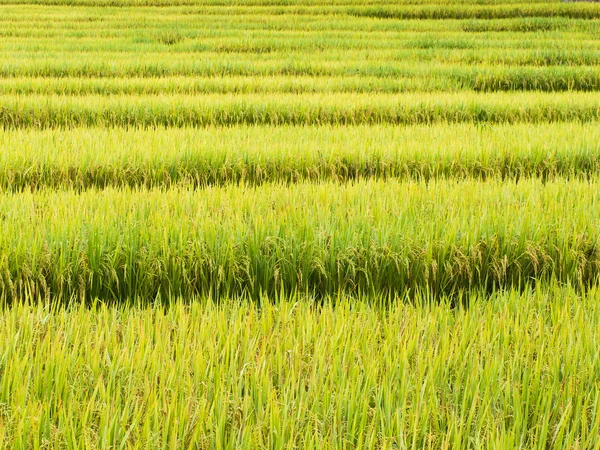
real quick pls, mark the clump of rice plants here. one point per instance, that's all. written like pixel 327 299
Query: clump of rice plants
pixel 170 37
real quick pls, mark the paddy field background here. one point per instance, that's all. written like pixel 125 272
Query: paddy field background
pixel 299 224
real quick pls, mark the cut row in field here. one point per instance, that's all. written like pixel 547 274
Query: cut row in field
pixel 289 109
pixel 371 237
pixel 87 158
pixel 510 371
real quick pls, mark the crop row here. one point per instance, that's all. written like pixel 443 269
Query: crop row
pixel 123 22
pixel 518 68
pixel 577 10
pixel 369 237
pixel 449 79
pixel 280 109
pixel 546 76
pixel 379 10
pixel 510 371
pixel 87 158
pixel 236 84
pixel 484 48
pixel 231 37
pixel 290 4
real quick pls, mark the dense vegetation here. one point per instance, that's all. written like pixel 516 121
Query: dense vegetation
pixel 299 224
pixel 510 371
pixel 365 238
pixel 162 158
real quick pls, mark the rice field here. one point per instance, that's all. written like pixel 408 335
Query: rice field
pixel 513 370
pixel 279 224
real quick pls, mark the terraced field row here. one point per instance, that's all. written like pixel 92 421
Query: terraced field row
pixel 510 371
pixel 288 109
pixel 412 9
pixel 232 78
pixel 365 238
pixel 84 158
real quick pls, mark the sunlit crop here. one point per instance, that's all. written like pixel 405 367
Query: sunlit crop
pixel 288 224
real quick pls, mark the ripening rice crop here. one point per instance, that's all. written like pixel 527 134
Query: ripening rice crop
pixel 280 224
pixel 510 371
pixel 132 107
pixel 105 104
pixel 368 237
pixel 326 109
pixel 449 79
pixel 85 158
